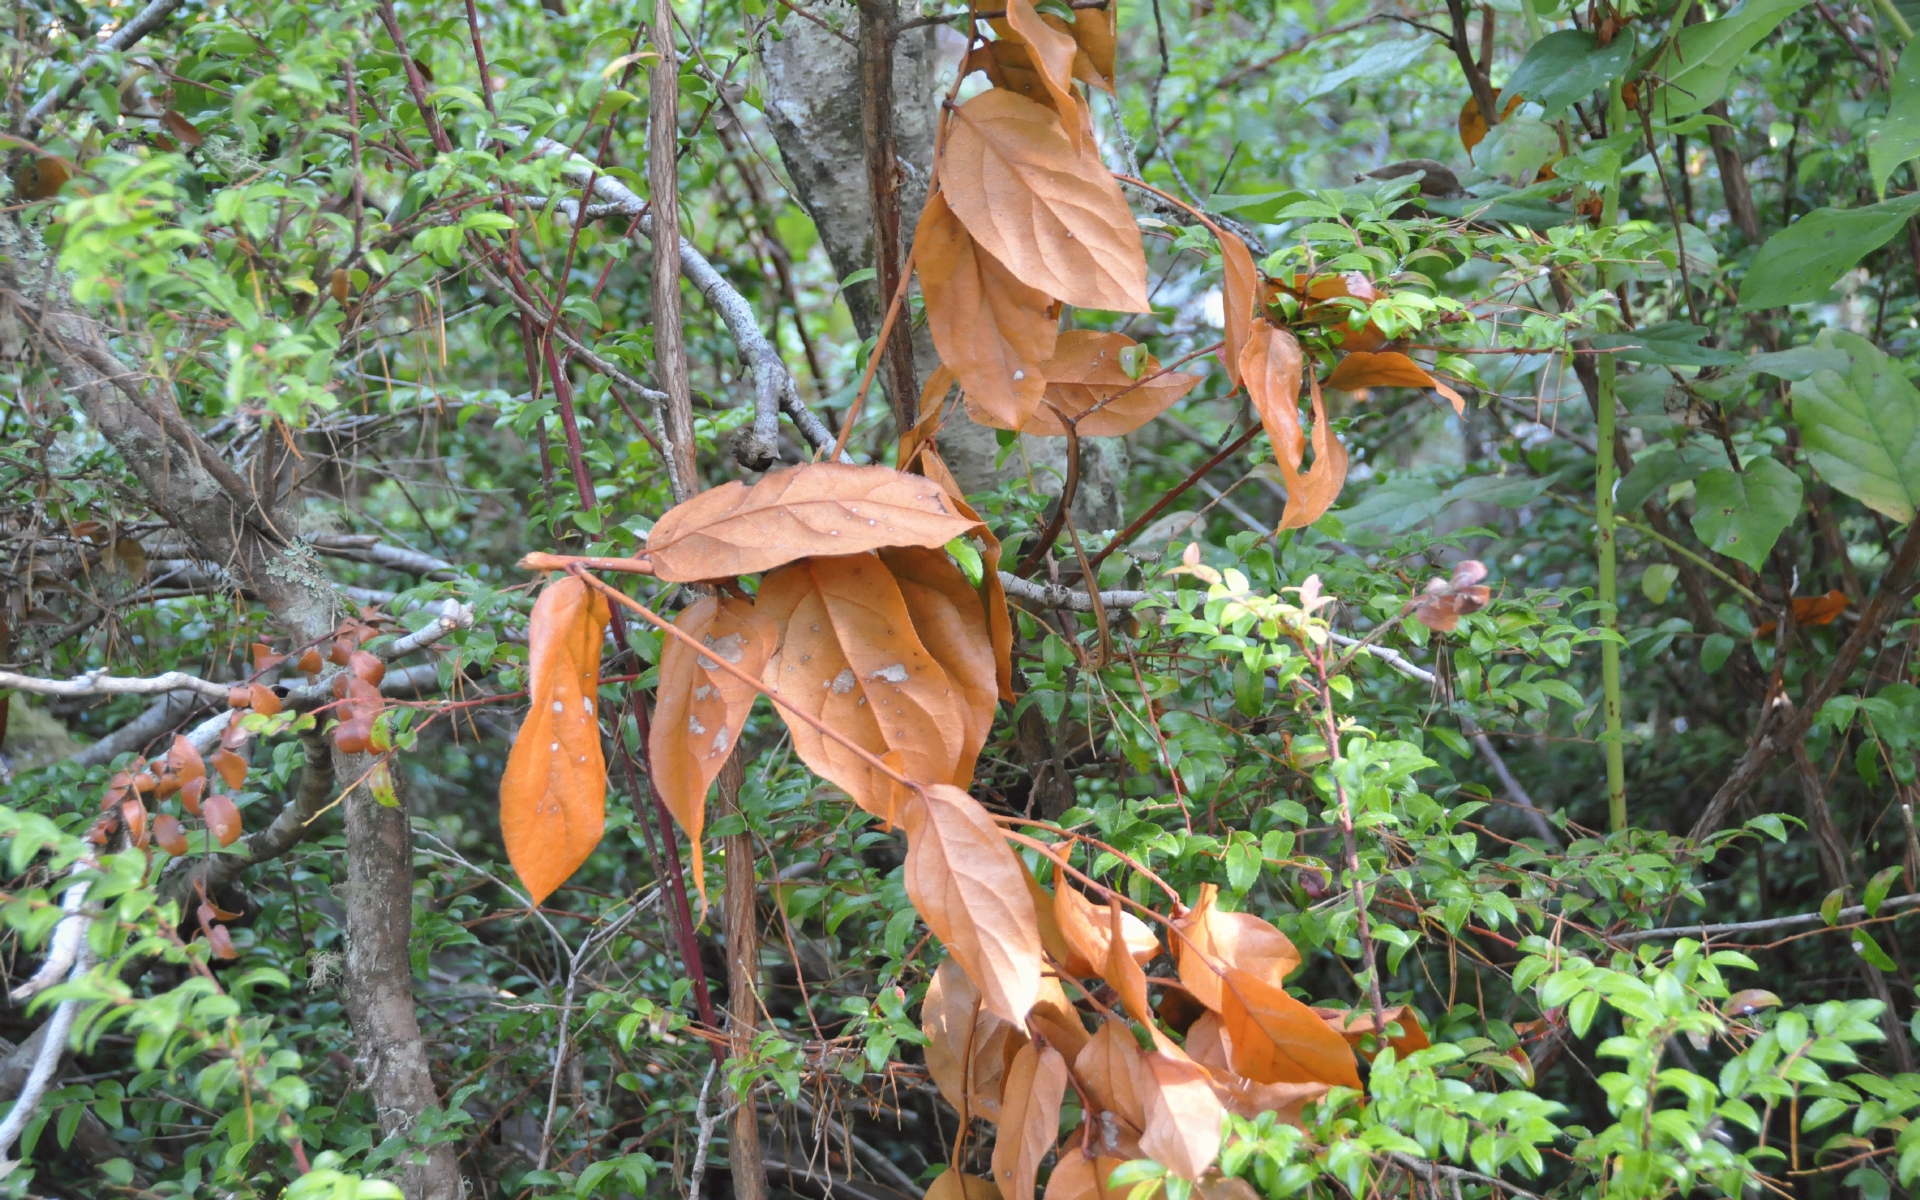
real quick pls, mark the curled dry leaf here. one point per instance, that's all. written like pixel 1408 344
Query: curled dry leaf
pixel 949 1186
pixel 1207 1045
pixel 794 512
pixel 366 667
pixel 1084 928
pixel 850 656
pixel 1811 610
pixel 310 663
pixel 993 331
pixel 134 815
pixel 170 834
pixel 190 793
pixel 264 659
pixel 1404 1031
pixel 1272 366
pixel 1445 601
pixel 1055 1020
pixel 554 792
pixel 1086 381
pixel 1108 1067
pixel 1049 212
pixel 223 819
pixel 1240 287
pixel 966 884
pixel 1053 51
pixel 700 709
pixel 967 1046
pixel 232 767
pixel 1388 368
pixel 1183 1114
pixel 1208 939
pixel 1120 969
pixel 1273 1038
pixel 1029 1119
pixel 1094 32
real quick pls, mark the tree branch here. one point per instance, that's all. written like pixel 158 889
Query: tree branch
pixel 146 21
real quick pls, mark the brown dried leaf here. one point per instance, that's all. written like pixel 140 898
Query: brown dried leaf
pixel 1473 123
pixel 553 794
pixel 1108 1067
pixel 232 767
pixel 1445 601
pixel 1240 285
pixel 952 624
pixel 184 760
pixel 1272 366
pixel 1388 368
pixel 794 512
pixel 1356 1025
pixel 190 793
pixel 1273 1038
pixel 1053 51
pixel 182 129
pixel 967 1046
pixel 700 709
pixel 1049 212
pixel 1210 939
pixel 1029 1119
pixel 134 815
pixel 367 667
pixel 223 819
pixel 949 1186
pixel 1810 610
pixel 1085 372
pixel 263 699
pixel 1207 1045
pixel 1055 1021
pixel 1183 1115
pixel 170 834
pixel 221 941
pixel 993 331
pixel 1094 31
pixel 1084 927
pixel 966 884
pixel 353 735
pixel 1072 1177
pixel 1120 970
pixel 311 663
pixel 849 656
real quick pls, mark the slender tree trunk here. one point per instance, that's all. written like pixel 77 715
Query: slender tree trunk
pixel 743 983
pixel 881 151
pixel 663 187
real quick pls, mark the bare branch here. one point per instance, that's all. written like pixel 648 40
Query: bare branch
pixel 149 19
pixel 365 549
pixel 96 684
pixel 1845 916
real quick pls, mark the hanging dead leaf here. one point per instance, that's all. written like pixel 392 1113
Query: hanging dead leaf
pixel 1052 940
pixel 1311 494
pixel 186 131
pixel 967 1046
pixel 183 759
pixel 933 414
pixel 170 834
pixel 1086 380
pixel 1207 1045
pixel 223 819
pixel 1445 601
pixel 1050 213
pixel 310 664
pixel 1029 1119
pixel 1108 1067
pixel 232 767
pixel 1085 929
pixel 1811 610
pixel 1473 123
pixel 813 508
pixel 966 884
pixel 1273 1038
pixel 949 1186
pixel 1055 1021
pixel 1053 51
pixel 1388 368
pixel 1271 365
pixel 134 815
pixel 221 941
pixel 993 597
pixel 1183 1116
pixel 952 624
pixel 554 792
pixel 190 793
pixel 700 709
pixel 1208 939
pixel 1404 1031
pixel 993 331
pixel 1240 287
pixel 1093 32
pixel 850 656
pixel 1072 1177
pixel 1317 293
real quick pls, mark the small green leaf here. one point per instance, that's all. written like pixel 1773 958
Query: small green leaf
pixel 1867 948
pixel 1805 259
pixel 1743 514
pixel 1830 907
pixel 1657 581
pixel 1715 649
pixel 1878 887
pixel 967 556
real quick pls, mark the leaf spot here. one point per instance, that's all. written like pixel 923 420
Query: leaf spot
pixel 897 673
pixel 694 726
pixel 842 683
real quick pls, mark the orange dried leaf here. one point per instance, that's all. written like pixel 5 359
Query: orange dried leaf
pixel 367 667
pixel 1120 970
pixel 238 698
pixel 190 793
pixel 134 815
pixel 1086 381
pixel 1206 1044
pixel 1311 494
pixel 949 1186
pixel 1388 368
pixel 1029 1119
pixel 1072 1178
pixel 1404 1031
pixel 1048 211
pixel 182 129
pixel 1473 123
pixel 1108 1067
pixel 967 1046
pixel 992 330
pixel 1240 285
pixel 352 736
pixel 1183 1114
pixel 952 624
pixel 1445 601
pixel 814 508
pixel 264 659
pixel 1811 610
pixel 170 834
pixel 1085 928
pixel 1209 940
pixel 1053 51
pixel 849 656
pixel 1273 1038
pixel 311 663
pixel 966 884
pixel 1272 367
pixel 184 760
pixel 232 767
pixel 701 709
pixel 263 699
pixel 553 794
pixel 1094 32
pixel 223 819
pixel 221 941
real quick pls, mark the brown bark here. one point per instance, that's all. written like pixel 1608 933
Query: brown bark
pixel 877 18
pixel 1733 176
pixel 743 983
pixel 663 187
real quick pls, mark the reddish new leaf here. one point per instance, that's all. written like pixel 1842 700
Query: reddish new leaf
pixel 223 819
pixel 794 512
pixel 1029 1119
pixel 553 794
pixel 967 885
pixel 1047 210
pixel 701 709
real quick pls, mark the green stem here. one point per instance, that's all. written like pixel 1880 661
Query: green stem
pixel 1604 523
pixel 1894 18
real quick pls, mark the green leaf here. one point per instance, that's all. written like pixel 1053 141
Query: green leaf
pixel 1805 259
pixel 1830 907
pixel 1868 949
pixel 1659 469
pixel 1715 649
pixel 968 557
pixel 1862 430
pixel 1668 344
pixel 1798 363
pixel 1566 66
pixel 1894 139
pixel 1382 60
pixel 1878 887
pixel 1657 581
pixel 1702 59
pixel 1743 514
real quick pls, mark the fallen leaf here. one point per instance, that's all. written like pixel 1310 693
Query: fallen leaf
pixel 1273 1038
pixel 554 792
pixel 1051 214
pixel 1085 373
pixel 1183 1116
pixel 849 655
pixel 992 330
pixel 951 622
pixel 1356 1025
pixel 1445 601
pixel 1029 1119
pixel 794 512
pixel 1207 940
pixel 967 1046
pixel 1811 610
pixel 700 709
pixel 223 819
pixel 1053 51
pixel 966 884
